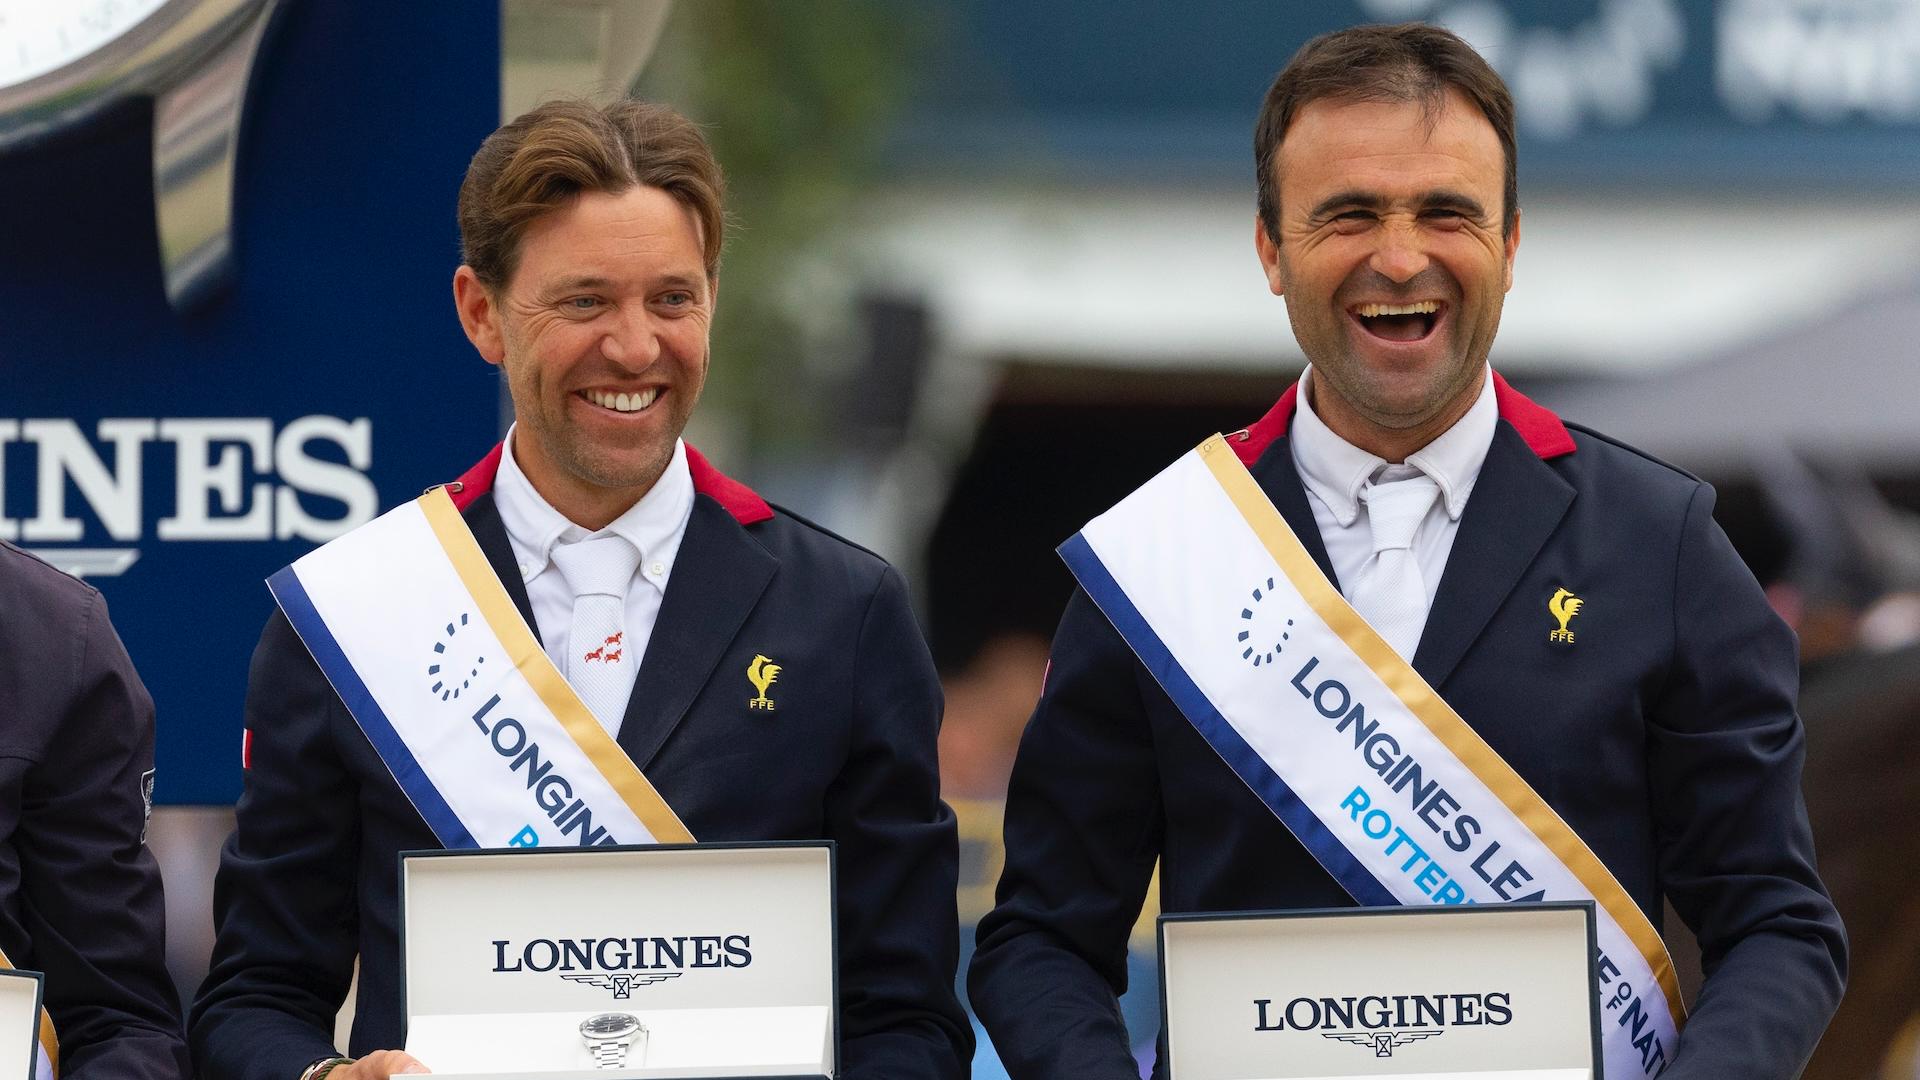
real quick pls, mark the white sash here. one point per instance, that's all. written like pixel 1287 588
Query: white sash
pixel 1379 778
pixel 478 727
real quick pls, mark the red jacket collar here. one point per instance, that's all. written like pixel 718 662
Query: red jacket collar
pixel 737 498
pixel 1543 432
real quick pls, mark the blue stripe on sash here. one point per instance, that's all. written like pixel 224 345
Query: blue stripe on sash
pixel 400 761
pixel 1241 758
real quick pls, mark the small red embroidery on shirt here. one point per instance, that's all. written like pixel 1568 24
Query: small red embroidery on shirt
pixel 604 654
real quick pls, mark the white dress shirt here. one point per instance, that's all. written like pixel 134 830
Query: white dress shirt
pixel 655 525
pixel 1334 471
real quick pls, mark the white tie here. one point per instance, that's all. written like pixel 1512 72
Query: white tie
pixel 599 665
pixel 1389 592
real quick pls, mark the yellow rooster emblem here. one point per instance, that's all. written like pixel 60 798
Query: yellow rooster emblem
pixel 761 673
pixel 1564 607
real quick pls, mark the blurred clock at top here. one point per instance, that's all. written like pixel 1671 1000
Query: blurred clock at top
pixel 45 37
pixel 63 61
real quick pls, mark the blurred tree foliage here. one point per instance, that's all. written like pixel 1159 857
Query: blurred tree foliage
pixel 797 99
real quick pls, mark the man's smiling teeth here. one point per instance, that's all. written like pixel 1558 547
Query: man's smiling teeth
pixel 1372 311
pixel 623 402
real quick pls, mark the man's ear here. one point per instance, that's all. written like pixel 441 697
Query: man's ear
pixel 1513 247
pixel 479 315
pixel 1269 253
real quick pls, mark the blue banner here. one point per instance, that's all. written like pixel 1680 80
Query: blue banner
pixel 179 459
pixel 1748 93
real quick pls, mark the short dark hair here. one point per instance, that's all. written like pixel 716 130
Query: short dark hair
pixel 540 161
pixel 1401 63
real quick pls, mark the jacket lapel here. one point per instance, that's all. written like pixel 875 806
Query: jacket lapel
pixel 1277 477
pixel 717 579
pixel 483 520
pixel 1516 505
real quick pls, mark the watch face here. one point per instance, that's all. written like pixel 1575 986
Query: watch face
pixel 38 37
pixel 609 1025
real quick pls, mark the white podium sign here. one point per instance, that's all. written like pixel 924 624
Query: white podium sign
pixel 724 954
pixel 20 993
pixel 1444 993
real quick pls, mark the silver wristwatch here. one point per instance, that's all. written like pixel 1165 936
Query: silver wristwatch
pixel 609 1035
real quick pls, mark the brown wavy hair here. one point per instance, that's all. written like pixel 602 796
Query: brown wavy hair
pixel 542 160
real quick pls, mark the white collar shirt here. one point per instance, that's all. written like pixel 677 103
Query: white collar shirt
pixel 655 525
pixel 1334 472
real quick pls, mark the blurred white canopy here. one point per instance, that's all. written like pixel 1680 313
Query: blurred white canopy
pixel 1157 277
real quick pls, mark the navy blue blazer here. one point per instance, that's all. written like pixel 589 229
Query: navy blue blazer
pixel 308 880
pixel 1667 737
pixel 80 894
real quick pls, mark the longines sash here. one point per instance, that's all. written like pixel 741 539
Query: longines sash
pixel 46 1057
pixel 482 732
pixel 1362 760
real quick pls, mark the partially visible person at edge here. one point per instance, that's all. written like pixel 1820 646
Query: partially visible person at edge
pixel 1661 728
pixel 80 898
pixel 592 239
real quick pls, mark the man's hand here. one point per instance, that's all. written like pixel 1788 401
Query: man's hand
pixel 378 1066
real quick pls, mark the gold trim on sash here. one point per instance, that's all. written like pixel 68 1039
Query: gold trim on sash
pixel 49 1041
pixel 1430 709
pixel 523 649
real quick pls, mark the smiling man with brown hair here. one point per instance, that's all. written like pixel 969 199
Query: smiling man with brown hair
pixel 669 596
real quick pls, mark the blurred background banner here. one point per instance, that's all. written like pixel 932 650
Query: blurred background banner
pixel 1694 90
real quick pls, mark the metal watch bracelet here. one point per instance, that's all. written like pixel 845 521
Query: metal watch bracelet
pixel 319 1069
pixel 611 1054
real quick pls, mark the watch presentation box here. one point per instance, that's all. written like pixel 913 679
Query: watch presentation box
pixel 665 962
pixel 1496 992
pixel 19 1023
